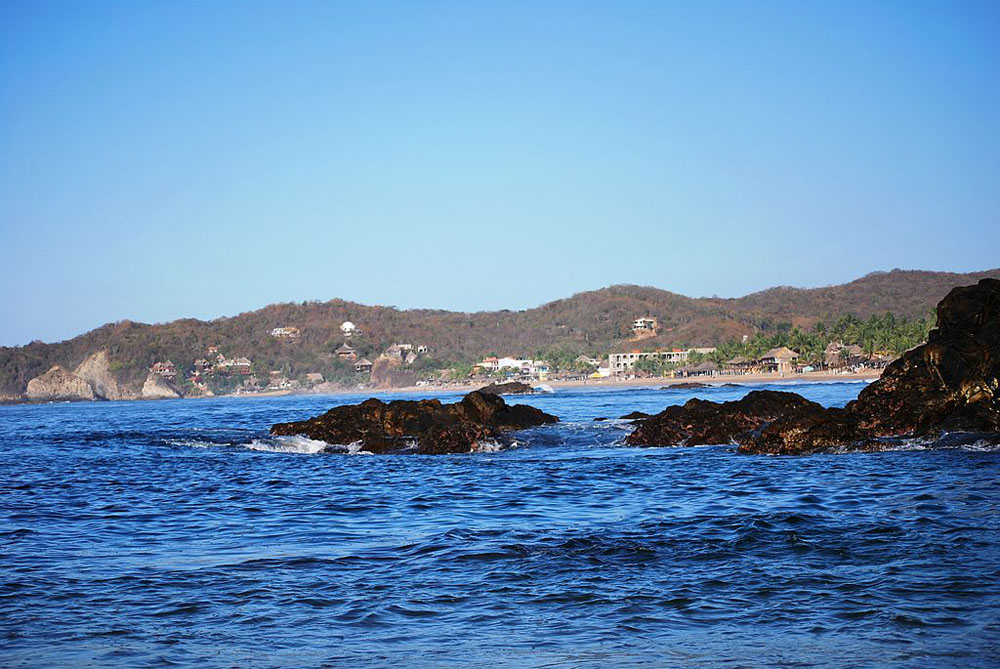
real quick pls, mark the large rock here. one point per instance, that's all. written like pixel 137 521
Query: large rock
pixel 510 388
pixel 96 371
pixel 58 384
pixel 949 384
pixel 158 388
pixel 702 422
pixel 424 426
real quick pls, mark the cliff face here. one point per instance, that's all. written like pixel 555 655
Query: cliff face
pixel 96 371
pixel 158 388
pixel 59 384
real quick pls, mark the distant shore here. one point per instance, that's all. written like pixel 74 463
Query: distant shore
pixel 740 379
pixel 555 384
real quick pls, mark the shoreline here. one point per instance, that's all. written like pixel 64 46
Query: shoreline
pixel 555 384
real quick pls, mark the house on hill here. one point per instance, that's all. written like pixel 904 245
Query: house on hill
pixel 165 369
pixel 349 329
pixel 646 325
pixel 347 353
pixel 363 365
pixel 288 333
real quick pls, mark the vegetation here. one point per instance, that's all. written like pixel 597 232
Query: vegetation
pixel 591 323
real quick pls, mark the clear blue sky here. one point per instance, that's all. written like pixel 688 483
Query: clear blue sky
pixel 170 159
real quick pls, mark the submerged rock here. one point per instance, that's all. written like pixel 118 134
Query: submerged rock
pixel 424 426
pixel 511 388
pixel 703 422
pixel 686 385
pixel 949 384
pixel 59 384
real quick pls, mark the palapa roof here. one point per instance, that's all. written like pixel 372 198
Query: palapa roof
pixel 780 353
pixel 344 348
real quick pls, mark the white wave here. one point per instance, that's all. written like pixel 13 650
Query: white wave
pixel 489 446
pixel 195 443
pixel 291 444
pixel 543 388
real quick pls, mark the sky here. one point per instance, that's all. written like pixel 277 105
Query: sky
pixel 161 160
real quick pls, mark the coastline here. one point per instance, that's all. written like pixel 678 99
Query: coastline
pixel 555 384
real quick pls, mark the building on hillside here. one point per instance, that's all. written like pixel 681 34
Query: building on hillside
pixel 349 329
pixel 363 365
pixel 422 349
pixel 289 333
pixel 586 360
pixel 400 352
pixel 314 377
pixel 780 360
pixel 644 325
pixel 624 363
pixel 346 352
pixel 212 350
pixel 164 369
pixel 240 365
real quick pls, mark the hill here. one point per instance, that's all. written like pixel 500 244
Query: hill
pixel 591 323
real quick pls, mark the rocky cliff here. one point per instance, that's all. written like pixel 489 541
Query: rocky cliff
pixel 96 371
pixel 158 388
pixel 59 384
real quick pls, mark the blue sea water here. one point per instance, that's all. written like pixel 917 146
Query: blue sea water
pixel 179 533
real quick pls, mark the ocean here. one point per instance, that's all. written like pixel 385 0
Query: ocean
pixel 180 533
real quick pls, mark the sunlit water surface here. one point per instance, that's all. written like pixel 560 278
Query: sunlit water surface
pixel 148 533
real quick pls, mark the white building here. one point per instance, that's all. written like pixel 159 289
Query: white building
pixel 647 324
pixel 623 363
pixel 349 328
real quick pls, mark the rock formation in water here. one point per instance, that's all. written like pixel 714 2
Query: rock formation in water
pixel 58 384
pixel 511 388
pixel 686 385
pixel 703 422
pixel 425 426
pixel 949 384
pixel 158 388
pixel 96 371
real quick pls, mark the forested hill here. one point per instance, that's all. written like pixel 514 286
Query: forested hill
pixel 591 323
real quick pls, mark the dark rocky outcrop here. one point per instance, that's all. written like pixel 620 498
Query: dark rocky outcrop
pixel 634 415
pixel 703 422
pixel 686 385
pixel 510 388
pixel 424 426
pixel 949 384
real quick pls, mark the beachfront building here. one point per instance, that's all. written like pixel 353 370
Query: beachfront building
pixel 515 366
pixel 289 333
pixel 624 363
pixel 780 360
pixel 347 353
